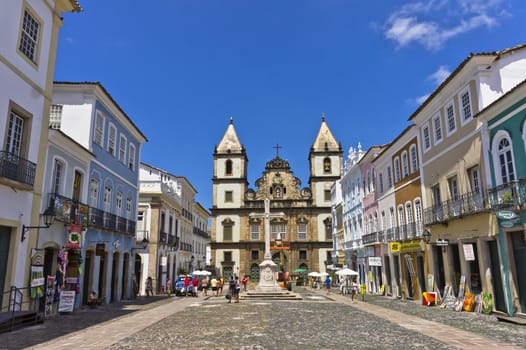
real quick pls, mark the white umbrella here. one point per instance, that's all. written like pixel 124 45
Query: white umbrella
pixel 324 274
pixel 346 272
pixel 314 274
pixel 206 273
pixel 197 273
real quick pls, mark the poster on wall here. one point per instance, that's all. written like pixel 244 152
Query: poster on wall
pixel 50 296
pixel 66 301
pixel 469 253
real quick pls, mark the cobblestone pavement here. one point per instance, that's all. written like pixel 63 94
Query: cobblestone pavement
pixel 317 322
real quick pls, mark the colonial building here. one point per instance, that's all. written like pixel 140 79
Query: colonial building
pixel 301 237
pixel 504 145
pixel 28 43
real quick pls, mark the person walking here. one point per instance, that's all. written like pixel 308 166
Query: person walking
pixel 169 287
pixel 231 289
pixel 149 286
pixel 244 282
pixel 213 284
pixel 237 289
pixel 354 289
pixel 195 285
pixel 328 284
pixel 204 285
pixel 220 284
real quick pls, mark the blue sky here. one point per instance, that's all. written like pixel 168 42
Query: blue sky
pixel 181 68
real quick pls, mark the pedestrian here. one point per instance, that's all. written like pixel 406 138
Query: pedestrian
pixel 195 285
pixel 204 285
pixel 328 284
pixel 213 284
pixel 169 287
pixel 220 284
pixel 186 284
pixel 149 286
pixel 231 289
pixel 244 282
pixel 237 289
pixel 354 289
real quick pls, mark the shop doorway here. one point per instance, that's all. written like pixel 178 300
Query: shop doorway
pixel 387 264
pixel 102 275
pixel 438 263
pixel 5 238
pixel 114 287
pixel 396 263
pixel 518 242
pixel 498 291
pixel 138 271
pixel 88 260
pixel 455 255
pixel 124 280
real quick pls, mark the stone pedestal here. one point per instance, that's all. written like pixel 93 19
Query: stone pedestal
pixel 267 277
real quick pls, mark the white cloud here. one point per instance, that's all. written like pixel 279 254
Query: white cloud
pixel 432 23
pixel 440 75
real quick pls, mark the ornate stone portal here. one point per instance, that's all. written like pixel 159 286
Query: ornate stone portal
pixel 267 269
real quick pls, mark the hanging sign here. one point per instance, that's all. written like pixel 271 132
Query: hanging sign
pixel 506 215
pixel 74 236
pixel 375 261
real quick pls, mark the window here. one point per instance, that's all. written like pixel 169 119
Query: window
pixel 280 228
pixel 405 165
pixel 451 119
pixel 118 203
pixel 99 129
pixel 228 167
pixel 401 220
pixel 465 102
pixel 389 177
pixel 128 207
pixel 302 231
pixel 413 159
pixel 140 216
pixel 474 179
pixel 381 182
pixel 131 157
pixel 505 164
pixel 418 215
pixel 55 116
pixel 29 36
pixel 15 132
pixel 94 192
pixel 427 141
pixel 327 195
pixel 112 135
pixel 303 255
pixel 122 149
pixel 437 127
pixel 392 217
pixel 327 165
pixel 435 191
pixel 57 177
pixel 254 254
pixel 409 212
pixel 453 188
pixel 227 256
pixel 107 198
pixel 254 231
pixel 229 197
pixel 397 169
pixel 383 220
pixel 77 184
pixel 227 232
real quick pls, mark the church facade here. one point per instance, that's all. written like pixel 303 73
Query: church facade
pixel 300 238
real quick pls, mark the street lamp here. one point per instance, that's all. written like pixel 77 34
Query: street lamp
pixel 144 244
pixel 426 236
pixel 49 219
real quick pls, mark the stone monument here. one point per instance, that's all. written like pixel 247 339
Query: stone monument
pixel 267 269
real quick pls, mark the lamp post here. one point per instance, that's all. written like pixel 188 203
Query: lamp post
pixel 190 264
pixel 144 244
pixel 426 236
pixel 49 219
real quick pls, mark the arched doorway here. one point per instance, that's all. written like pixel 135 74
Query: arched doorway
pixel 125 280
pixel 114 278
pixel 138 272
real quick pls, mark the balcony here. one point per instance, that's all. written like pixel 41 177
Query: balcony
pixel 141 236
pixel 370 238
pixel 108 221
pixel 69 211
pixel 508 196
pixel 467 204
pixel 173 241
pixel 163 237
pixel 392 234
pixel 17 169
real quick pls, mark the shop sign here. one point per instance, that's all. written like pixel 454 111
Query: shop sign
pixel 506 215
pixel 164 261
pixel 413 245
pixel 375 261
pixel 507 224
pixel 469 254
pixel 74 236
pixel 394 247
pixel 66 301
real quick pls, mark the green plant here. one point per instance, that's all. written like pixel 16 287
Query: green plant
pixel 506 197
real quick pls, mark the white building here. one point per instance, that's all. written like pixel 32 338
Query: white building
pixel 28 41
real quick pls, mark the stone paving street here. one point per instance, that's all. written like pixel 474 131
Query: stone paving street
pixel 317 322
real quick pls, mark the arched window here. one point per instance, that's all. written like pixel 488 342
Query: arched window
pixel 503 158
pixel 405 166
pixel 418 217
pixel 397 169
pixel 228 167
pixel 409 219
pixel 327 165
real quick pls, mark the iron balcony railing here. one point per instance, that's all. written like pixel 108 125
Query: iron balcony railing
pixel 509 195
pixel 16 168
pixel 467 204
pixel 163 237
pixel 392 234
pixel 370 238
pixel 68 210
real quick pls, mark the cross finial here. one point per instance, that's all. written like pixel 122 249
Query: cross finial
pixel 322 116
pixel 231 120
pixel 277 147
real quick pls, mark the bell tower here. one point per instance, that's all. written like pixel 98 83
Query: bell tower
pixel 325 158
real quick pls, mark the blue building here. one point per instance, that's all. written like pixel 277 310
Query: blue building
pixel 102 217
